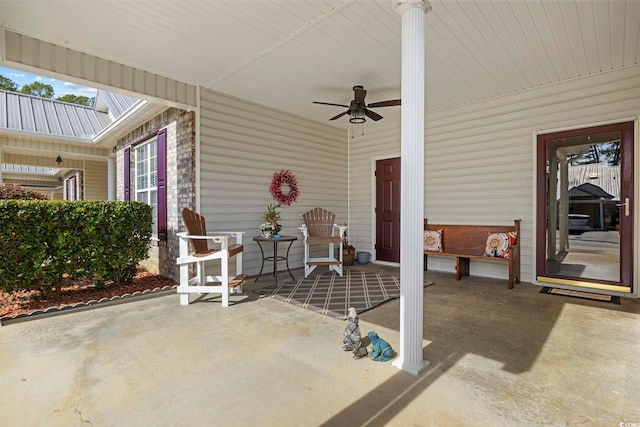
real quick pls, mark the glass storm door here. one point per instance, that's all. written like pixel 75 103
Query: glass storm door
pixel 584 207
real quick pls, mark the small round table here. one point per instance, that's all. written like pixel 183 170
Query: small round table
pixel 275 258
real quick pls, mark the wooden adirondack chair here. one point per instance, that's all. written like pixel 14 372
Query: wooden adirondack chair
pixel 319 228
pixel 197 246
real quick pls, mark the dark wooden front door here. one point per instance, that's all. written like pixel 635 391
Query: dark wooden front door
pixel 388 210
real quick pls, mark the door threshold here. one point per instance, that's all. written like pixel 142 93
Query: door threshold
pixel 583 284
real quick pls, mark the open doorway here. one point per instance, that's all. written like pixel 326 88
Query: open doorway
pixel 585 193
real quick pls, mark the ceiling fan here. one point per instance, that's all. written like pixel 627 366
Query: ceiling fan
pixel 357 110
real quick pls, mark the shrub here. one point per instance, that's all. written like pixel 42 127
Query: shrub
pixel 46 242
pixel 16 192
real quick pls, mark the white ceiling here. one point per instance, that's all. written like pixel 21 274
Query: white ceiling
pixel 288 53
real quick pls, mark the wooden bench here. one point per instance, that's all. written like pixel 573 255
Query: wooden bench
pixel 466 242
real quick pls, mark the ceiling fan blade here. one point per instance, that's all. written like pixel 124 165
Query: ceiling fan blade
pixel 359 94
pixel 339 115
pixel 329 103
pixel 372 115
pixel 389 103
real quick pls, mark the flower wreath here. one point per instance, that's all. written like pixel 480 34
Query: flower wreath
pixel 280 178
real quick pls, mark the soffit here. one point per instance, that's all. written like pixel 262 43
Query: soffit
pixel 286 54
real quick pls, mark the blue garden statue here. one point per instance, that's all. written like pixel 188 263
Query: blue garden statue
pixel 382 350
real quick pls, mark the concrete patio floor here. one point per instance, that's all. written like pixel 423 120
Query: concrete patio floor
pixel 498 357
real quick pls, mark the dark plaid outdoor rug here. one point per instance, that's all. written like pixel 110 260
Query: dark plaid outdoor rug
pixel 332 295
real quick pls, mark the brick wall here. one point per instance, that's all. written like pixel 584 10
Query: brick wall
pixel 180 126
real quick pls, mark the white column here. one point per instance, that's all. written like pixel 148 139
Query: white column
pixel 111 179
pixel 412 188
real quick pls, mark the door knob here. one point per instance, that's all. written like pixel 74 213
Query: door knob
pixel 626 206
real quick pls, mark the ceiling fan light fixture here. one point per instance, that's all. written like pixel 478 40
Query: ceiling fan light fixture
pixel 357 117
pixel 358 110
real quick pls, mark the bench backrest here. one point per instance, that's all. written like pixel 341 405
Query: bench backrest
pixel 319 222
pixel 470 239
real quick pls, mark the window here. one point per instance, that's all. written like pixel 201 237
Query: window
pixel 146 176
pixel 150 177
pixel 71 188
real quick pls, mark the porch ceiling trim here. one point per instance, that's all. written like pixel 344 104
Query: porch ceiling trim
pixel 39 146
pixel 32 52
pixel 42 161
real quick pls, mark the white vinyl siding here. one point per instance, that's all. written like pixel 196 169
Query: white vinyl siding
pixel 479 158
pixel 241 145
pixel 37 53
pixel 95 180
pixel 380 140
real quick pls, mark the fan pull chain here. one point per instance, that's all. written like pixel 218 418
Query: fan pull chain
pixel 352 132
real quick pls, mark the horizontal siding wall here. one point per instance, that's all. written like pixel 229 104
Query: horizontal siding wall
pixel 241 145
pixel 39 159
pixel 62 146
pixel 26 50
pixel 95 180
pixel 380 140
pixel 479 158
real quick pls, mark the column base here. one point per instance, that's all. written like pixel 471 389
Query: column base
pixel 412 368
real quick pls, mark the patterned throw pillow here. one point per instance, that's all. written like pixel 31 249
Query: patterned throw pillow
pixel 432 241
pixel 499 244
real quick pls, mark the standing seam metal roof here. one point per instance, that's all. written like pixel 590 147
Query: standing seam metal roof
pixel 29 113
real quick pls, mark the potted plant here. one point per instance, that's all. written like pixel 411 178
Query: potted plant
pixel 348 251
pixel 271 216
pixel 266 230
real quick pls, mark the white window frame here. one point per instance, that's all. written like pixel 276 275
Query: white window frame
pixel 70 188
pixel 145 187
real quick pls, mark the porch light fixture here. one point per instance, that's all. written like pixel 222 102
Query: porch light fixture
pixel 357 117
pixel 58 160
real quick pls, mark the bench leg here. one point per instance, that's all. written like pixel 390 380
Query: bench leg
pixel 514 268
pixel 517 267
pixel 511 274
pixel 462 267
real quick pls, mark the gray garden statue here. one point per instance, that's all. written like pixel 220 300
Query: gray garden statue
pixel 351 334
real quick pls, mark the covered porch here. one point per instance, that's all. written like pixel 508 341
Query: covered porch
pixel 498 358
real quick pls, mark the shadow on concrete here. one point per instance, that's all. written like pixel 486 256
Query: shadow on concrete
pixel 477 316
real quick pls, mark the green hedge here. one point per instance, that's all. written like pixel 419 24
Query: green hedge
pixel 44 242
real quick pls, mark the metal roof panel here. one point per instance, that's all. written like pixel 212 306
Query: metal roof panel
pixel 29 113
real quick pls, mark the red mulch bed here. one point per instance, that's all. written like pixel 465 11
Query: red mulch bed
pixel 24 302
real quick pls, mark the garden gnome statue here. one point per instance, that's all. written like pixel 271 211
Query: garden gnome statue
pixel 351 334
pixel 381 350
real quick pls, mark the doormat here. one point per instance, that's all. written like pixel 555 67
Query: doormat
pixel 579 294
pixel 332 295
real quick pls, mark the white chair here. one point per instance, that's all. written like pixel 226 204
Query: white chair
pixel 319 228
pixel 197 246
